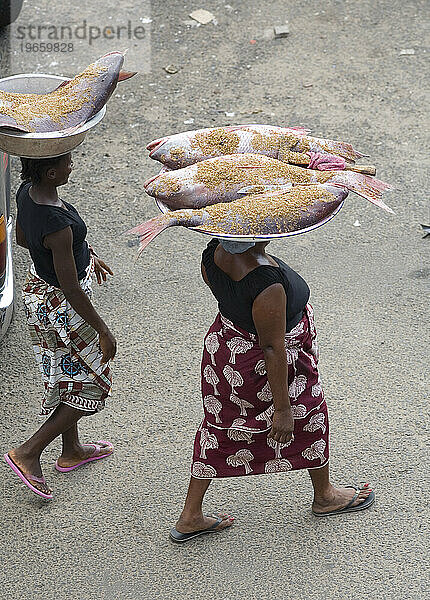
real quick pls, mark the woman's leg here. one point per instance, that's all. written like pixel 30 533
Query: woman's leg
pixel 191 518
pixel 27 456
pixel 74 452
pixel 328 498
pixel 70 439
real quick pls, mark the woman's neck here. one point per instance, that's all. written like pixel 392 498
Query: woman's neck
pixel 237 266
pixel 42 193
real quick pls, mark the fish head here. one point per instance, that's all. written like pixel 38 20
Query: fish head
pixel 176 189
pixel 174 151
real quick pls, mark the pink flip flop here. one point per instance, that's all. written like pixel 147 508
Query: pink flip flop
pixel 97 448
pixel 26 478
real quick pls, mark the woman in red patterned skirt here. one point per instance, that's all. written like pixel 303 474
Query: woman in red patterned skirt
pixel 264 407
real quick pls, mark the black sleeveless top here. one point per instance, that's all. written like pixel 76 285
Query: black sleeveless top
pixel 38 220
pixel 235 298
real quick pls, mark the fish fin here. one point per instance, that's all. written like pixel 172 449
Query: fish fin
pixel 343 149
pixel 71 130
pixel 62 84
pixel 123 75
pixel 322 161
pixel 260 189
pixel 235 127
pixel 364 185
pixel 299 130
pixel 149 230
pixel 250 166
pixel 239 127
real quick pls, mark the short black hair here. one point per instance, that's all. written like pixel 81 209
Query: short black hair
pixel 32 169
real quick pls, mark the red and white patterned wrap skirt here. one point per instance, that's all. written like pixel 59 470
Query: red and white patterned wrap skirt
pixel 66 347
pixel 238 405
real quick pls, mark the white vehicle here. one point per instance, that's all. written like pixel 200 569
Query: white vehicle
pixel 9 11
pixel 6 224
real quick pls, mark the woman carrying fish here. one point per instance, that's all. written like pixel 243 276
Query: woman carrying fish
pixel 264 406
pixel 72 343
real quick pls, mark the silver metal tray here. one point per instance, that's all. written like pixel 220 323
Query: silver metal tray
pixel 257 238
pixel 41 145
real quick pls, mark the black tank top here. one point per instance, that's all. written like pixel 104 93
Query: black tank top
pixel 235 298
pixel 38 220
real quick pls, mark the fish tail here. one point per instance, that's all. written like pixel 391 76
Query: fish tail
pixel 343 149
pixel 150 229
pixel 364 185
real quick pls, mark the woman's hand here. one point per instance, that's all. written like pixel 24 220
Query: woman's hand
pixel 107 345
pixel 101 269
pixel 282 426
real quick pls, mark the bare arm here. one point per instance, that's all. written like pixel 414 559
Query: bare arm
pixel 269 315
pixel 205 277
pixel 60 243
pixel 20 237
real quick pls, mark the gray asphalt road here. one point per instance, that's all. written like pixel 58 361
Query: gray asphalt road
pixel 104 536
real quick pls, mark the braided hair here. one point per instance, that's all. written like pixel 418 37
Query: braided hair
pixel 33 169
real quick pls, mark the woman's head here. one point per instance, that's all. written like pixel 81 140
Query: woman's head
pixel 54 171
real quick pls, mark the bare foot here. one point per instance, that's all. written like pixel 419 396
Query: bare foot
pixel 30 468
pixel 337 498
pixel 200 523
pixel 83 452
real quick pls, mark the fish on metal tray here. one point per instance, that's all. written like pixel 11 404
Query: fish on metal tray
pixel 70 105
pixel 271 212
pixel 219 180
pixel 289 144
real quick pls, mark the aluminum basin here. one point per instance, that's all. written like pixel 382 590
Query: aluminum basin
pixel 41 145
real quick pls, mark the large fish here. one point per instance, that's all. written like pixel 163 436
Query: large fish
pixel 71 104
pixel 220 179
pixel 271 212
pixel 291 145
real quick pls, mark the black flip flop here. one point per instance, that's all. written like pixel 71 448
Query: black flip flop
pixel 349 508
pixel 177 536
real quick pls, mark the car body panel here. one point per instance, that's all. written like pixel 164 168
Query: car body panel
pixel 6 268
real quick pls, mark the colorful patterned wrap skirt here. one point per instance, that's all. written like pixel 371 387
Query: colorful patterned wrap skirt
pixel 66 347
pixel 238 406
